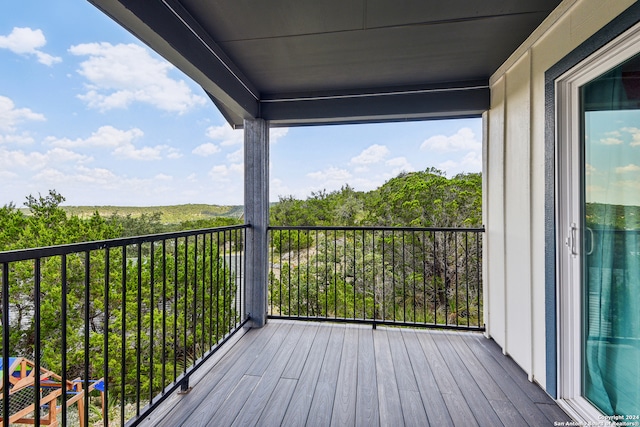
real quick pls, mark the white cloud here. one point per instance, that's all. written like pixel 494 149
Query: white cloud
pixel 330 174
pixel 19 160
pixel 22 139
pixel 373 154
pixel 121 142
pixel 464 139
pixel 589 169
pixel 236 156
pixel 206 149
pixel 275 134
pixel 25 41
pixel 471 162
pixel 399 164
pixel 121 74
pixel 10 116
pixel 635 135
pixel 224 173
pixel 163 177
pixel 628 169
pixel 610 140
pixel 7 175
pixel 105 136
pixel 226 135
pixel 100 178
pixel 129 151
pixel 173 153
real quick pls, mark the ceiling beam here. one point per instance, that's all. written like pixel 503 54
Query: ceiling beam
pixel 469 99
pixel 171 31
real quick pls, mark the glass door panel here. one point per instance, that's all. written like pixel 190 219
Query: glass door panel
pixel 610 106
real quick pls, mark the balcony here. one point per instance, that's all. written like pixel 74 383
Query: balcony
pixel 155 330
pixel 301 373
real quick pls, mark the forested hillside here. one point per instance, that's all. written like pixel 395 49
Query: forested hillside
pixel 425 199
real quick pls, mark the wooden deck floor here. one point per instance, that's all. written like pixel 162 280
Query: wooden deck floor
pixel 319 374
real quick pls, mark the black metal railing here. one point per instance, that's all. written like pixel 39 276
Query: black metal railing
pixel 378 275
pixel 113 327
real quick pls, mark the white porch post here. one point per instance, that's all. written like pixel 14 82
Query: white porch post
pixel 256 213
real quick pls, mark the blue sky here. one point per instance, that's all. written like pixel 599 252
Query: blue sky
pixel 88 110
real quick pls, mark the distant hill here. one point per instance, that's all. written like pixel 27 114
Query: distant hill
pixel 170 214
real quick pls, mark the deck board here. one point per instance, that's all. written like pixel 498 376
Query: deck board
pixel 367 406
pixel 298 409
pixel 388 392
pixel 344 405
pixel 325 391
pixel 319 374
pixel 473 395
pixel 435 406
pixel 259 398
pixel 458 408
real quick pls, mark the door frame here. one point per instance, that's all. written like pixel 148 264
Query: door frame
pixel 626 20
pixel 568 213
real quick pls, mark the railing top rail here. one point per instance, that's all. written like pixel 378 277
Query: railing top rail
pixel 48 251
pixel 377 228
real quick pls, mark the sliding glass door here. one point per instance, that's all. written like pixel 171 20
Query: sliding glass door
pixel 610 242
pixel 598 232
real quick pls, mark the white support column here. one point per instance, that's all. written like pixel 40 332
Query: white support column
pixel 256 213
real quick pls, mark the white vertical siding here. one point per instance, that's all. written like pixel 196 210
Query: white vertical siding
pixel 494 211
pixel 518 211
pixel 515 180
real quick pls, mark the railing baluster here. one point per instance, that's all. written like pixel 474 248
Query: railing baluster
pixel 393 272
pixel 185 384
pixel 344 272
pixel 404 280
pixel 385 288
pixel 435 282
pixel 455 245
pixel 175 309
pixel 164 313
pixel 413 260
pixel 123 349
pixel 211 255
pixel 466 272
pixel 87 312
pixel 138 325
pixel 384 273
pixel 107 278
pixel 6 345
pixel 289 287
pixel 194 315
pixel 204 287
pixel 478 270
pixel 218 288
pixel 63 313
pixel 446 285
pixel 36 350
pixel 152 309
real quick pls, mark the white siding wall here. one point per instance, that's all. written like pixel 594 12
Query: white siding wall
pixel 514 179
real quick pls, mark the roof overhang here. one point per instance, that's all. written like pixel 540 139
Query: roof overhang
pixel 300 62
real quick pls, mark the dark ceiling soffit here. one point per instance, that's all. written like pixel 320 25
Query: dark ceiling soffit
pixel 236 121
pixel 172 23
pixel 468 101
